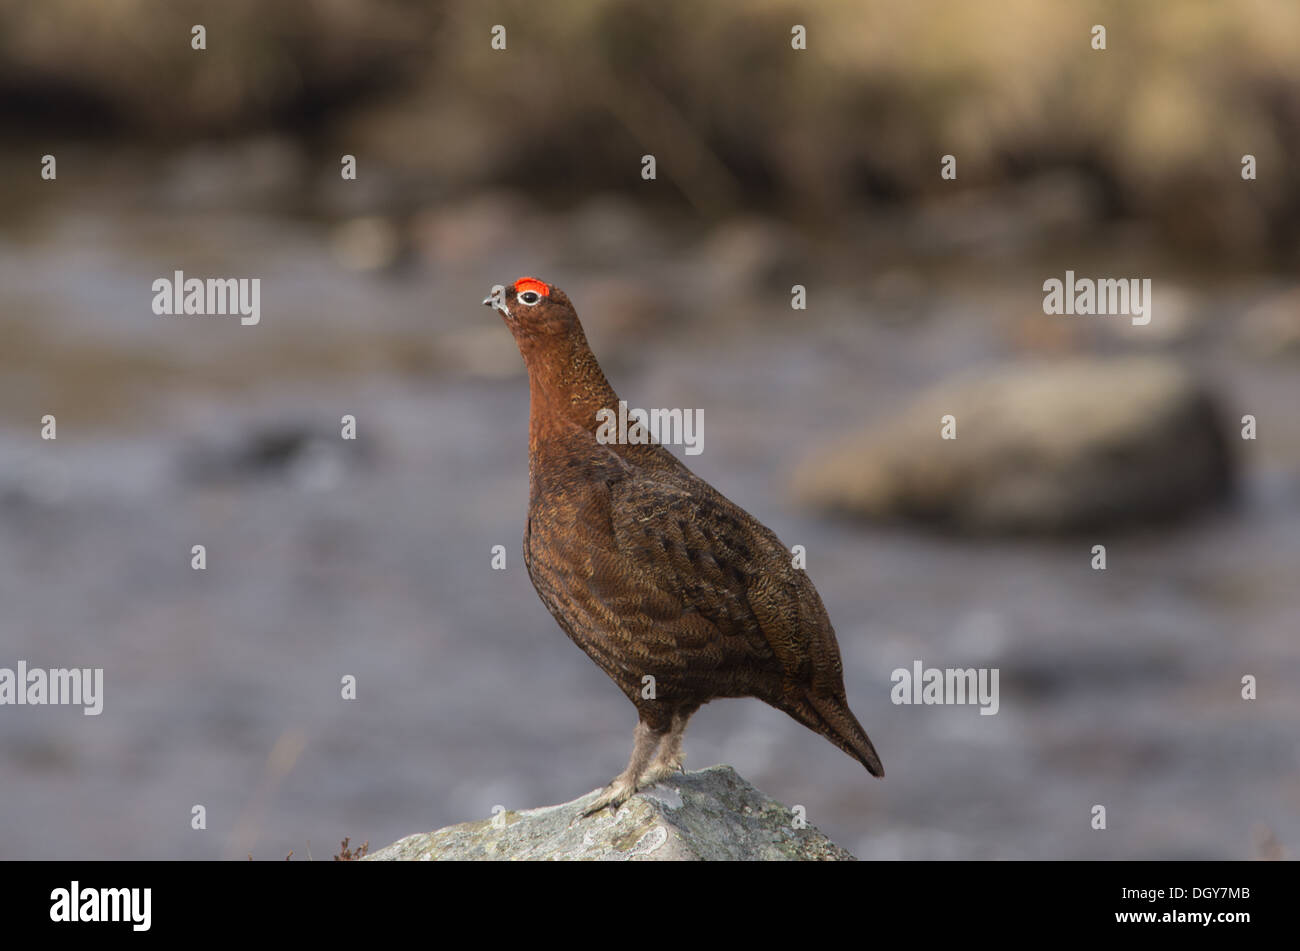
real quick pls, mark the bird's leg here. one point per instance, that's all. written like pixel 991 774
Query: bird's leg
pixel 669 759
pixel 646 740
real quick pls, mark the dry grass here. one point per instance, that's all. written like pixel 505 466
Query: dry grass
pixel 351 855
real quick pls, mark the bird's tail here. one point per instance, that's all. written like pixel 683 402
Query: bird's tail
pixel 832 718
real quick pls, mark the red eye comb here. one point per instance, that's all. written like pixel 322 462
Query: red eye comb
pixel 532 284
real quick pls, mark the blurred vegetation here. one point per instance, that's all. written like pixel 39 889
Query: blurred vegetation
pixel 1155 125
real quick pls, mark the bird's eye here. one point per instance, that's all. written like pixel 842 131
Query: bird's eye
pixel 530 297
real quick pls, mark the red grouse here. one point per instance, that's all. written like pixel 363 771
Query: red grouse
pixel 652 572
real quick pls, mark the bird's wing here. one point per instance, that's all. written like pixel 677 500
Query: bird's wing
pixel 719 583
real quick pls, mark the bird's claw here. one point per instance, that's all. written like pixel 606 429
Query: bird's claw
pixel 615 794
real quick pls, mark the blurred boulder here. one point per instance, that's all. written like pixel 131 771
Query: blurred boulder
pixel 750 257
pixel 32 479
pixel 710 815
pixel 1272 327
pixel 260 173
pixel 609 230
pixel 455 234
pixel 307 455
pixel 992 222
pixel 629 307
pixel 1050 448
pixel 371 243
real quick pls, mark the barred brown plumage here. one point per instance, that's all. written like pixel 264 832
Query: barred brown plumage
pixel 652 571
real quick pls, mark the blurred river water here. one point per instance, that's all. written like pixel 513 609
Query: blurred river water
pixel 328 559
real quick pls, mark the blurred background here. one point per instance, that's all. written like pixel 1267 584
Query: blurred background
pixel 775 167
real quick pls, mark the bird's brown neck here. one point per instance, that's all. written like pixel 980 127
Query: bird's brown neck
pixel 566 387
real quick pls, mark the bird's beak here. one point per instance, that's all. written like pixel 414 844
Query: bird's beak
pixel 497 299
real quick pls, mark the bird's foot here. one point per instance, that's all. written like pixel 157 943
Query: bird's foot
pixel 615 794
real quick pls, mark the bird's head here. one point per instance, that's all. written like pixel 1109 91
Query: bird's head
pixel 533 309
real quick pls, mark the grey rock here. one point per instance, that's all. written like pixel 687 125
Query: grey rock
pixel 712 814
pixel 1047 448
